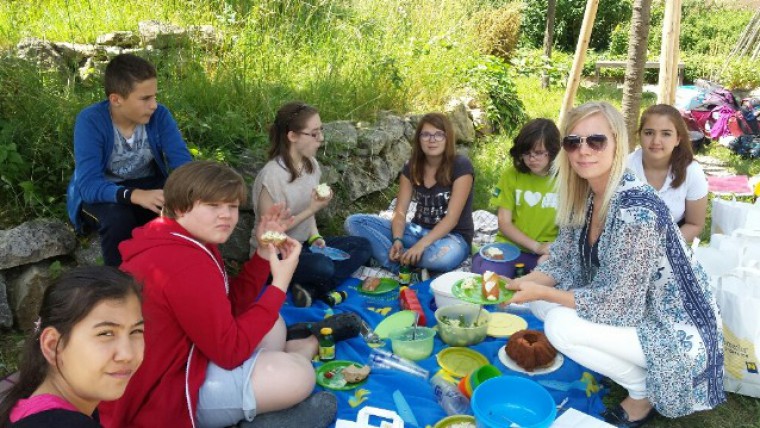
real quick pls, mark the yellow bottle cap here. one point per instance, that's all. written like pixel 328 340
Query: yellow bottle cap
pixel 325 331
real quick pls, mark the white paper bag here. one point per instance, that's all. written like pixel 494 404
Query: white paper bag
pixel 730 215
pixel 738 296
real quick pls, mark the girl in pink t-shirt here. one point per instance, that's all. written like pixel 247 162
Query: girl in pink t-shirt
pixel 87 343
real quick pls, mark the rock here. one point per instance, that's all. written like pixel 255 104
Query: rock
pixel 363 178
pixel 397 154
pixel 33 241
pixel 89 252
pixel 460 120
pixel 373 140
pixel 123 39
pixel 6 316
pixel 26 291
pixel 78 52
pixel 161 35
pixel 391 124
pixel 205 35
pixel 342 133
pixel 40 52
pixel 410 126
pixel 238 246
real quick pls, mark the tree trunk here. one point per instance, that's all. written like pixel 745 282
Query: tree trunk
pixel 548 39
pixel 634 69
pixel 574 80
pixel 669 52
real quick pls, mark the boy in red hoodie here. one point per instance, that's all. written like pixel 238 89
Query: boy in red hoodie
pixel 215 348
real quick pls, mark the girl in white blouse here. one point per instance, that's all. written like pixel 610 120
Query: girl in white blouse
pixel 666 161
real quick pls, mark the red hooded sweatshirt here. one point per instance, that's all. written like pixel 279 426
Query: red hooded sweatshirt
pixel 190 319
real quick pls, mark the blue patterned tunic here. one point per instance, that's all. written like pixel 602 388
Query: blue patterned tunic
pixel 647 277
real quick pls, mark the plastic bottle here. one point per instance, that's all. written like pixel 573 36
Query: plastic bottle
pixel 335 297
pixel 519 270
pixel 451 400
pixel 405 275
pixel 408 300
pixel 326 344
pixel 384 359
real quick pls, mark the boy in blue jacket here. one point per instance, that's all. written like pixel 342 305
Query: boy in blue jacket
pixel 124 148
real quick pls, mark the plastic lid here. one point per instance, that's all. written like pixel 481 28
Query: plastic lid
pixel 394 322
pixel 503 325
pixel 460 361
pixel 519 264
pixel 325 331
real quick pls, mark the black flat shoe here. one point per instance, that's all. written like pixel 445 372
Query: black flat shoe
pixel 619 417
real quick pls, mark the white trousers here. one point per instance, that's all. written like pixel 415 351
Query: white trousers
pixel 614 352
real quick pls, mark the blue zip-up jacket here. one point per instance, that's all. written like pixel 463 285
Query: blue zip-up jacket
pixel 93 145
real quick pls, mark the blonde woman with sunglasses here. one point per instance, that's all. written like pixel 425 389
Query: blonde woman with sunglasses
pixel 621 292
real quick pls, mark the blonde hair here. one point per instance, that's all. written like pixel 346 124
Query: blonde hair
pixel 572 190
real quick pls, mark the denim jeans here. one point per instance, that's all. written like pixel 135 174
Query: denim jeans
pixel 114 222
pixel 319 274
pixel 442 255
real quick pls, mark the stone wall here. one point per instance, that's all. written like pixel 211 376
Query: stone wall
pixel 357 159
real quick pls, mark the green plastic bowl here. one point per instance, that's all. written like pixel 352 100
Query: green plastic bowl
pixel 411 344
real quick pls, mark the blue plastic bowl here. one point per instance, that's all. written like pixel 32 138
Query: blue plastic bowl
pixel 503 400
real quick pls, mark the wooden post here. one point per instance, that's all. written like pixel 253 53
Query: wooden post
pixel 580 56
pixel 671 30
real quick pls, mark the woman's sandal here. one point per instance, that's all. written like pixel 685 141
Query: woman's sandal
pixel 619 417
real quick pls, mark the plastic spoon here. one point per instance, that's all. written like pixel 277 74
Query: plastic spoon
pixel 416 321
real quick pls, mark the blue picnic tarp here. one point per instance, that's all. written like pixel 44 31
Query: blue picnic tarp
pixel 382 383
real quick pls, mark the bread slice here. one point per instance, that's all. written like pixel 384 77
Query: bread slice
pixel 273 237
pixel 490 285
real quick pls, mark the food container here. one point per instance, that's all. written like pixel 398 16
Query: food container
pixel 506 400
pixel 455 420
pixel 441 287
pixel 411 344
pixel 474 329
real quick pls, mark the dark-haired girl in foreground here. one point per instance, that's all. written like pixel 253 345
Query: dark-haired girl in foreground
pixel 87 344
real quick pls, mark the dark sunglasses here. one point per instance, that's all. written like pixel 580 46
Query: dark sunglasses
pixel 596 142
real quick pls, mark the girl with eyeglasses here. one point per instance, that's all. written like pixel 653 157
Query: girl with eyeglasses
pixel 292 176
pixel 621 292
pixel 440 183
pixel 525 197
pixel 665 160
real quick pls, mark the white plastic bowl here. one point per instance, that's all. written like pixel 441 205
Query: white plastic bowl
pixel 441 287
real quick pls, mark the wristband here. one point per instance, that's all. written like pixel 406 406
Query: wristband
pixel 124 195
pixel 396 238
pixel 313 238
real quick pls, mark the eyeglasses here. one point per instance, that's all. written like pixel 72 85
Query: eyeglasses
pixel 535 155
pixel 596 142
pixel 316 134
pixel 436 136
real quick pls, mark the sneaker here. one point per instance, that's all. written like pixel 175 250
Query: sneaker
pixel 344 326
pixel 301 296
pixel 318 411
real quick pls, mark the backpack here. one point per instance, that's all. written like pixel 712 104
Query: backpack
pixel 743 122
pixel 746 146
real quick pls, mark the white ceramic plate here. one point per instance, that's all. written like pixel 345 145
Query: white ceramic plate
pixel 512 365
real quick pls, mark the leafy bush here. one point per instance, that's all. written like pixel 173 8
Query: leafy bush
pixel 568 21
pixel 492 77
pixel 533 62
pixel 350 58
pixel 498 30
